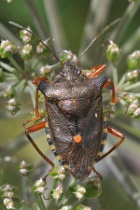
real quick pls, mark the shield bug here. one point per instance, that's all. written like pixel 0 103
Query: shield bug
pixel 75 124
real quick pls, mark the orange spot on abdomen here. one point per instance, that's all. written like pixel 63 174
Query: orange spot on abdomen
pixel 77 138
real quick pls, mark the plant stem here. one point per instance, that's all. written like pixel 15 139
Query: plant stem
pixel 136 85
pixel 7 67
pixel 67 195
pixel 38 197
pixel 115 74
pixel 15 64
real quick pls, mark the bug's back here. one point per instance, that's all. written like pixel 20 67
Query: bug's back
pixel 74 110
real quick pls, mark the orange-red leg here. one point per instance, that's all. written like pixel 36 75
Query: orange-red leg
pixel 37 114
pixel 117 134
pixel 97 70
pixel 34 128
pixel 110 82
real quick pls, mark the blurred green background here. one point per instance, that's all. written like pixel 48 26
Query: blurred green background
pixel 68 26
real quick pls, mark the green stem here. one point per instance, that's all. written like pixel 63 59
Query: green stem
pixel 7 67
pixel 126 84
pixel 132 86
pixel 20 86
pixel 115 74
pixel 67 195
pixel 72 182
pixel 38 197
pixel 15 64
pixel 122 81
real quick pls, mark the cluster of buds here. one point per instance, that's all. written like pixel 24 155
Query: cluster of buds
pixel 25 35
pixel 41 48
pixel 58 173
pixel 7 49
pixel 113 52
pixel 27 51
pixel 57 192
pixel 45 69
pixel 134 108
pixel 7 192
pixel 12 105
pixel 25 168
pixel 39 186
pixel 79 191
pixel 68 55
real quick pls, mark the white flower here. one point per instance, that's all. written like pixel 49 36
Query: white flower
pixel 8 202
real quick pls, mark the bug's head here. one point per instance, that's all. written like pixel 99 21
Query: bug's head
pixel 70 71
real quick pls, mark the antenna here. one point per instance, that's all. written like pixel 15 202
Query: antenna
pixel 101 33
pixel 19 26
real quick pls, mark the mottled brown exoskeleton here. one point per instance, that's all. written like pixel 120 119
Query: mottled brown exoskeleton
pixel 75 125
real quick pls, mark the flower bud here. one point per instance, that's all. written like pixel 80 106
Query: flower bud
pixel 57 193
pixel 40 48
pixel 133 106
pixel 26 52
pixel 39 186
pixel 25 169
pixel 137 112
pixel 79 191
pixel 11 104
pixel 25 35
pixel 45 69
pixel 7 191
pixel 9 92
pixel 68 55
pixel 133 60
pixel 8 202
pixel 112 52
pixel 7 48
pixel 58 173
pixel 130 98
pixel 132 75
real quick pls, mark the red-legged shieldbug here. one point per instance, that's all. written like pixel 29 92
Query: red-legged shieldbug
pixel 75 124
